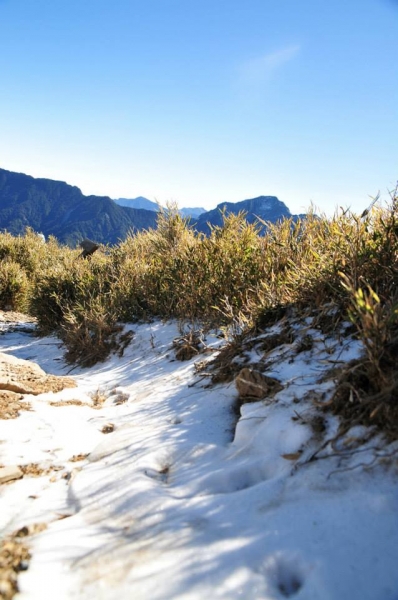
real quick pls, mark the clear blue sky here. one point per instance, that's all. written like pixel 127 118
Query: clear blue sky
pixel 203 101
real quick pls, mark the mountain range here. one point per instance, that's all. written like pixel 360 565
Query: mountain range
pixel 59 209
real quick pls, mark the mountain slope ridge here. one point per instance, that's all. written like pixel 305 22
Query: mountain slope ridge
pixel 62 210
pixel 59 209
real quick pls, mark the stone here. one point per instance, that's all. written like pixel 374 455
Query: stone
pixel 88 248
pixel 26 377
pixel 10 473
pixel 250 383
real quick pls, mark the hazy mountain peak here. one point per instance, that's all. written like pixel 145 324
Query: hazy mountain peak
pixel 139 202
pixel 268 208
pixel 194 211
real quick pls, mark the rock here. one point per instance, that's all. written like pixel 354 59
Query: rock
pixel 25 377
pixel 108 428
pixel 10 473
pixel 253 384
pixel 19 377
pixel 88 248
pixel 291 456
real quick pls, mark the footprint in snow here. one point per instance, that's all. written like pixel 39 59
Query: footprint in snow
pixel 285 573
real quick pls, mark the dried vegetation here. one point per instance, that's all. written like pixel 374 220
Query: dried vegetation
pixel 338 268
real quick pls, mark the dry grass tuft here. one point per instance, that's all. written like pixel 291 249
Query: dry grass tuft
pixel 361 398
pixel 98 397
pixel 189 344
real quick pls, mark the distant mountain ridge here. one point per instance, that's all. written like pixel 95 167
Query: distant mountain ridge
pixel 141 202
pixel 59 209
pixel 194 211
pixel 268 208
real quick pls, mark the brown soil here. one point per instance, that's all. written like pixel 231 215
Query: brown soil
pixel 35 470
pixel 11 404
pixel 14 558
pixel 78 457
pixel 10 316
pixel 69 403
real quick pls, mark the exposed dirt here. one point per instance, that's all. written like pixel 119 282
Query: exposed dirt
pixel 10 316
pixel 35 470
pixel 78 457
pixel 15 557
pixel 68 403
pixel 11 404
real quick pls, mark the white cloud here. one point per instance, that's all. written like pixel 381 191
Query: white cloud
pixel 260 69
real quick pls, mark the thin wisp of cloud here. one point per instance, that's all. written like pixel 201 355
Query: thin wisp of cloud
pixel 260 69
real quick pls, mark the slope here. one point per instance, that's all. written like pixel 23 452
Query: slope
pixel 56 208
pixel 162 491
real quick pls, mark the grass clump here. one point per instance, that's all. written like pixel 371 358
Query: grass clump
pixel 14 286
pixel 89 331
pixel 367 390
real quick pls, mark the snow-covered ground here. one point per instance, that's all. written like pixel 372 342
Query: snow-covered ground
pixel 183 500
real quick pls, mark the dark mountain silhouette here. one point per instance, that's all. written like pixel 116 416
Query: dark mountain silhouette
pixel 56 208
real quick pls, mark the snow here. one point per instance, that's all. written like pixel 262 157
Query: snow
pixel 184 500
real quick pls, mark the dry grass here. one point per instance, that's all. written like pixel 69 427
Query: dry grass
pixel 189 344
pixel 98 398
pixel 331 268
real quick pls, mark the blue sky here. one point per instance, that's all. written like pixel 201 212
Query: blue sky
pixel 203 101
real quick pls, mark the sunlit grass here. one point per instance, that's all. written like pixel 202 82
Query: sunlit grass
pixel 235 277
